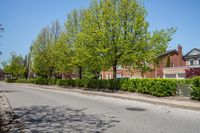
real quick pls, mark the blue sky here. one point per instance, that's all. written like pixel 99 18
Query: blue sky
pixel 23 20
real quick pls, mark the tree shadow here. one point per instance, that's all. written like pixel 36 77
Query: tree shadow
pixel 7 91
pixel 39 119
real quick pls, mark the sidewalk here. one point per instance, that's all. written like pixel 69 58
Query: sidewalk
pixel 175 101
pixel 6 113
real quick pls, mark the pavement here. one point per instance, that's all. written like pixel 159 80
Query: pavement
pixel 6 113
pixel 54 109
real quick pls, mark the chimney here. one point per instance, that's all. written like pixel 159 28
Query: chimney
pixel 180 55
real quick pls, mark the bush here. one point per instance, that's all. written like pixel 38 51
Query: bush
pixel 41 81
pixel 22 81
pixel 10 80
pixel 111 84
pixel 155 87
pixel 196 88
pixel 52 81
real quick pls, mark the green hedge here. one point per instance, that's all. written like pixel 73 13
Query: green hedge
pixel 196 88
pixel 155 87
pixel 92 83
pixel 9 80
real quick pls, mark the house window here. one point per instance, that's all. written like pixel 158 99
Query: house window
pixel 191 62
pixel 108 76
pixel 119 75
pixel 170 75
pixel 119 67
pixel 198 61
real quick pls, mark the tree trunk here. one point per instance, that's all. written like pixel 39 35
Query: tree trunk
pixel 114 71
pixel 80 72
pixel 142 74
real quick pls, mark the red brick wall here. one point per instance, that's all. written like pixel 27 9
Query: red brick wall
pixel 175 57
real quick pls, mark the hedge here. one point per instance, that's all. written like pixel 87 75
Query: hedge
pixel 155 87
pixel 196 88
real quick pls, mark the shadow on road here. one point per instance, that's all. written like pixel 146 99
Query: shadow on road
pixel 7 91
pixel 37 119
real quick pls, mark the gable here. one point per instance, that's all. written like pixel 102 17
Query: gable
pixel 194 52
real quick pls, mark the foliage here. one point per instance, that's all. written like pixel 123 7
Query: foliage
pixel 118 33
pixel 10 80
pixel 15 66
pixel 155 87
pixel 25 81
pixel 196 88
pixel 42 51
pixel 192 72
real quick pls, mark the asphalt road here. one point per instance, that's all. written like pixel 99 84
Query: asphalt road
pixel 52 111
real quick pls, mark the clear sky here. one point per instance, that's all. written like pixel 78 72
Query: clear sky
pixel 23 20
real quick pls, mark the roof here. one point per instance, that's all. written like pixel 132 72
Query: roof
pixel 191 51
pixel 169 52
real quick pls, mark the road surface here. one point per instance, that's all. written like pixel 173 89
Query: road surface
pixel 41 110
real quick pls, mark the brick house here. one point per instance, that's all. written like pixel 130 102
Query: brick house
pixel 176 67
pixel 170 59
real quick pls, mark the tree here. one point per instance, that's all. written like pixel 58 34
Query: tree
pixel 44 61
pixel 118 33
pixel 63 54
pixel 73 28
pixel 192 72
pixel 15 66
pixel 1 29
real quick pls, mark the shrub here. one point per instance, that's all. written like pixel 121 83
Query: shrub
pixel 41 81
pixel 10 80
pixel 111 84
pixel 62 82
pixel 155 87
pixel 52 81
pixel 22 81
pixel 196 88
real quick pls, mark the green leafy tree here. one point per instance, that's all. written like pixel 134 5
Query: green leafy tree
pixel 15 66
pixel 118 33
pixel 63 54
pixel 73 28
pixel 1 30
pixel 42 52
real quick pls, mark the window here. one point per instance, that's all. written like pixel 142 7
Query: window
pixel 198 61
pixel 181 75
pixel 170 75
pixel 119 67
pixel 108 76
pixel 191 62
pixel 119 75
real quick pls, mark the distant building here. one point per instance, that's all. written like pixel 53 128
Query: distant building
pixel 172 64
pixel 177 65
pixel 193 58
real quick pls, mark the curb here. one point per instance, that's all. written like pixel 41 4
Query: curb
pixel 6 113
pixel 190 105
